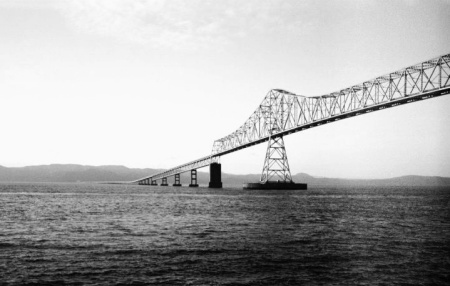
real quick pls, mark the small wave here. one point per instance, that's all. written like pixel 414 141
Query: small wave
pixel 298 242
pixel 6 245
pixel 126 251
pixel 38 260
pixel 49 283
pixel 199 252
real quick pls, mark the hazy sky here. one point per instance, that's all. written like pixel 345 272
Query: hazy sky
pixel 154 83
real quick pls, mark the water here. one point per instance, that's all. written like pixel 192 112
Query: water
pixel 86 234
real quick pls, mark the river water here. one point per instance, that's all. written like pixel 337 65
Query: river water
pixel 91 234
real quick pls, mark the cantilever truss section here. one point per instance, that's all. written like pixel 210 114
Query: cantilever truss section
pixel 282 112
pixel 292 113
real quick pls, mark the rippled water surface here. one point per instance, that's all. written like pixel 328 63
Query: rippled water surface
pixel 84 234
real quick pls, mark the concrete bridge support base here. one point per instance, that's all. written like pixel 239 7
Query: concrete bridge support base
pixel 193 179
pixel 275 186
pixel 153 183
pixel 164 182
pixel 177 182
pixel 215 175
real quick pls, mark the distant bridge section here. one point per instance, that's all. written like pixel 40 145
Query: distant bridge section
pixel 282 112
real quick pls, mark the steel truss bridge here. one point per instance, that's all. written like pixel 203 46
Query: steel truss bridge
pixel 282 113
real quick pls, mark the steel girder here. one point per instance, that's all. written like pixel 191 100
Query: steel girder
pixel 282 112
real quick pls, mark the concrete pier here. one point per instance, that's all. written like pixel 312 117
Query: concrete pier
pixel 164 182
pixel 194 182
pixel 177 182
pixel 275 186
pixel 215 175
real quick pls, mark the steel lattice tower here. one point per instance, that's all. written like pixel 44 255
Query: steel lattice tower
pixel 276 165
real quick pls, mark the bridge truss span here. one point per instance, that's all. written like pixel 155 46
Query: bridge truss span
pixel 282 112
pixel 285 112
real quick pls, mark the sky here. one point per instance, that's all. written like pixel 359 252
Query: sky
pixel 152 84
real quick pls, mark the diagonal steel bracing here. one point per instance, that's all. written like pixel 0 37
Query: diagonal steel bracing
pixel 282 112
pixel 276 166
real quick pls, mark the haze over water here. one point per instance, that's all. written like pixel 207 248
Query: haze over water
pixel 83 234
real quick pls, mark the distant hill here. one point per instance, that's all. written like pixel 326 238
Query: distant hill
pixel 72 173
pixel 396 181
pixel 336 182
pixel 81 173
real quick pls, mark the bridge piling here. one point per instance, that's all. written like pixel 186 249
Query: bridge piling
pixel 164 182
pixel 177 181
pixel 193 178
pixel 215 175
pixel 153 183
pixel 276 174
